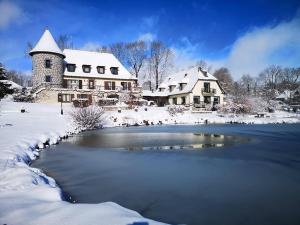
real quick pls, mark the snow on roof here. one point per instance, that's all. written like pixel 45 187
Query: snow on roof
pixel 13 85
pixel 95 59
pixel 46 44
pixel 188 77
pixel 163 85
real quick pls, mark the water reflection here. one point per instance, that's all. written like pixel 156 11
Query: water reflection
pixel 156 141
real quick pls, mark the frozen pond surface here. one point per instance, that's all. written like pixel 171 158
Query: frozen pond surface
pixel 219 174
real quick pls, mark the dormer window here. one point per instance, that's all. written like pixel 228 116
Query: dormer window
pixel 181 86
pixel 101 69
pixel 71 67
pixel 114 70
pixel 48 63
pixel 171 88
pixel 161 89
pixel 86 68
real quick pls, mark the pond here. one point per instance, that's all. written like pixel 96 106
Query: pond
pixel 205 174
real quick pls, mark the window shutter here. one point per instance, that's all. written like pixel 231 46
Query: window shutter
pixel 113 85
pixel 59 97
pixel 106 85
pixel 129 86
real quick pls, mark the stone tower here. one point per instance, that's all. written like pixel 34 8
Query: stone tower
pixel 47 63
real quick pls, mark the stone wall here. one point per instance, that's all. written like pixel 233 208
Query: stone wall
pixel 39 71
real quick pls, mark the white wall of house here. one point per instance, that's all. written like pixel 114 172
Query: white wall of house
pixel 197 91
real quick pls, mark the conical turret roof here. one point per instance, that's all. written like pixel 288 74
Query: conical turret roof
pixel 47 44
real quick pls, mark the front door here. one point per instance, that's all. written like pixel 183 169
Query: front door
pixel 80 84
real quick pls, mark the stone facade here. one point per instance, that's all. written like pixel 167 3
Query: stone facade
pixel 39 70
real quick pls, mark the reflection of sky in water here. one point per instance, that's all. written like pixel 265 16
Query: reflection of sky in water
pixel 157 141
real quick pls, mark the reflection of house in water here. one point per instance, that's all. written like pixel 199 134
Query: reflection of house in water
pixel 194 87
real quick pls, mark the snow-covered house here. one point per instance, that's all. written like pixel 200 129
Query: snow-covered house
pixel 193 87
pixel 75 74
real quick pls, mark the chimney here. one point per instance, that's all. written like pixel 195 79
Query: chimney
pixel 202 70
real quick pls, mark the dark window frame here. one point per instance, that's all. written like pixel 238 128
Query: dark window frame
pixel 70 65
pixel 114 70
pixel 89 67
pixel 48 63
pixel 101 67
pixel 48 78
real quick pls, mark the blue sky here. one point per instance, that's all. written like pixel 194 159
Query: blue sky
pixel 245 36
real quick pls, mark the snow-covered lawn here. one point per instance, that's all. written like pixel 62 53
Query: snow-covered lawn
pixel 27 196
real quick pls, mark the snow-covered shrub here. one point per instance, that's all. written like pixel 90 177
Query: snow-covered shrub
pixel 23 98
pixel 88 118
pixel 234 107
pixel 175 109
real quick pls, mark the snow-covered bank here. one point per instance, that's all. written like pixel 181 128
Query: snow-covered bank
pixel 159 115
pixel 27 195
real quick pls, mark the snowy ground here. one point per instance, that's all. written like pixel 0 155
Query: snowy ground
pixel 27 196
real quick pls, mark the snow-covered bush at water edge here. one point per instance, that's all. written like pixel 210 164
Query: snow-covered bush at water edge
pixel 88 118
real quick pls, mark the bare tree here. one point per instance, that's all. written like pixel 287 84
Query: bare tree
pixel 224 77
pixel 203 64
pixel 64 41
pixel 119 51
pixel 136 56
pixel 271 76
pixel 247 83
pixel 160 60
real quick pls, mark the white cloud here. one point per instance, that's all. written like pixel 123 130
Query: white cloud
pixel 91 46
pixel 252 52
pixel 9 13
pixel 147 37
pixel 261 47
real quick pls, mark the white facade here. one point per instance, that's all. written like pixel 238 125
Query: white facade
pixel 193 87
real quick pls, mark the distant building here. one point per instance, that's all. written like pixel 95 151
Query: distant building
pixel 194 87
pixel 75 74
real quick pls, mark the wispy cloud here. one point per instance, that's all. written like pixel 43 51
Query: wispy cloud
pixel 261 47
pixel 251 52
pixel 10 13
pixel 91 46
pixel 147 37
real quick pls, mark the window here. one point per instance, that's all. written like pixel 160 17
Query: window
pixel 91 84
pixel 114 70
pixel 207 99
pixel 47 78
pixel 171 88
pixel 216 100
pixel 71 67
pixel 183 100
pixel 109 85
pixel 101 69
pixel 181 86
pixel 196 99
pixel 86 68
pixel 206 87
pixel 126 86
pixel 48 63
pixel 82 96
pixel 65 97
pixel 174 101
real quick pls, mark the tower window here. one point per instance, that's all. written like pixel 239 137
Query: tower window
pixel 114 70
pixel 48 63
pixel 101 69
pixel 71 67
pixel 86 68
pixel 47 78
